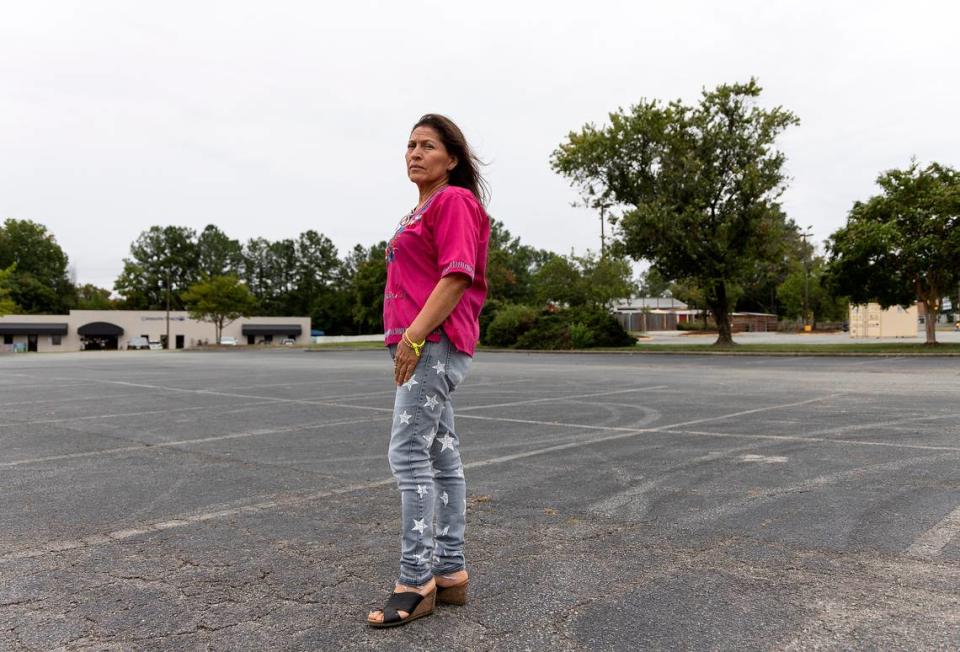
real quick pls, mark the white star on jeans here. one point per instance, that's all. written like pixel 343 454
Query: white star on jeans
pixel 440 367
pixel 447 442
pixel 410 383
pixel 444 531
pixel 432 402
pixel 423 557
pixel 421 490
pixel 405 418
pixel 459 472
pixel 445 498
pixel 429 437
pixel 419 525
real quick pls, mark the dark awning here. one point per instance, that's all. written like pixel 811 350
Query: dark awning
pixel 100 328
pixel 271 329
pixel 32 329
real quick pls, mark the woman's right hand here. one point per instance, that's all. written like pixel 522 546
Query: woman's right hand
pixel 404 363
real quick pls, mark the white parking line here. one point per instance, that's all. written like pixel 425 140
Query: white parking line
pixel 559 398
pixel 183 521
pixel 932 542
pixel 185 442
pixel 78 399
pixel 332 403
pixel 13 424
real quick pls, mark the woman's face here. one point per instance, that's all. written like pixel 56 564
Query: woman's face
pixel 428 161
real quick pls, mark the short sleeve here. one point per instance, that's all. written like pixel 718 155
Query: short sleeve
pixel 456 233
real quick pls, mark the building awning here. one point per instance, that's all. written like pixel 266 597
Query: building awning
pixel 100 328
pixel 271 329
pixel 32 329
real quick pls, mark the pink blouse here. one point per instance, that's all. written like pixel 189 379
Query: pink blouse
pixel 450 234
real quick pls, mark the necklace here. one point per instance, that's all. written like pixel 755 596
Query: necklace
pixel 426 201
pixel 414 214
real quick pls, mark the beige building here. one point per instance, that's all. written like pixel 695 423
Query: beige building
pixel 870 320
pixel 114 329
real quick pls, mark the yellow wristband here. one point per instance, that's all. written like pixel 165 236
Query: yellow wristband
pixel 413 345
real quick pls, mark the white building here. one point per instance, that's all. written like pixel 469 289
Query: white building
pixel 113 329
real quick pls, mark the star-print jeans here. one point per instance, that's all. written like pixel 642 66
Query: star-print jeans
pixel 425 460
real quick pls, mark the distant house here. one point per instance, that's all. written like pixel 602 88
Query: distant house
pixel 634 304
pixel 753 322
pixel 653 313
pixel 666 313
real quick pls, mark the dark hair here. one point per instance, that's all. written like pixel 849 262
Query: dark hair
pixel 467 172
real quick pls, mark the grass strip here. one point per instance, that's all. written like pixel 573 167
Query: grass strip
pixel 886 348
pixel 344 345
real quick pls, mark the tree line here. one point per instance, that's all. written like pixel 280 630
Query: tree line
pixel 693 190
pixel 305 275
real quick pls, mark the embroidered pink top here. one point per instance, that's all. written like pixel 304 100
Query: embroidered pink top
pixel 450 234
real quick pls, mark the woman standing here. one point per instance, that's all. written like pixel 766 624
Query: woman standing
pixel 436 285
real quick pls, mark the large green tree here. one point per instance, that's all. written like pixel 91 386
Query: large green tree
pixel 696 186
pixel 218 254
pixel 318 282
pixel 7 304
pixel 904 243
pixel 91 297
pixel 159 254
pixel 368 283
pixel 39 284
pixel 807 288
pixel 784 251
pixel 583 280
pixel 652 284
pixel 511 266
pixel 219 300
pixel 558 281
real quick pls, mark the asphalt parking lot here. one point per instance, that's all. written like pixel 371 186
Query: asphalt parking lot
pixel 242 501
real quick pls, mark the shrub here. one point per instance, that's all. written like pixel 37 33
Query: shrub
pixel 581 337
pixel 509 324
pixel 696 325
pixel 575 328
pixel 487 313
pixel 551 331
pixel 604 327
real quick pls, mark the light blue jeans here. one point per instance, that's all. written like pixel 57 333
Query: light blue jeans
pixel 425 460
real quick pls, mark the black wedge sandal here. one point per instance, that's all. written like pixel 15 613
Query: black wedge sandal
pixel 416 605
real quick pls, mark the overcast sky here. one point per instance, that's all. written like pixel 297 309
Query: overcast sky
pixel 268 119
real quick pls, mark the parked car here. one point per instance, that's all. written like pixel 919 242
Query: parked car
pixel 228 341
pixel 138 344
pixel 288 341
pixel 156 346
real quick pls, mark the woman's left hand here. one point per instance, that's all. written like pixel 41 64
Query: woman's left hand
pixel 404 363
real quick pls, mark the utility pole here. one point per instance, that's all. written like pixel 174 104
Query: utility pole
pixel 167 343
pixel 806 271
